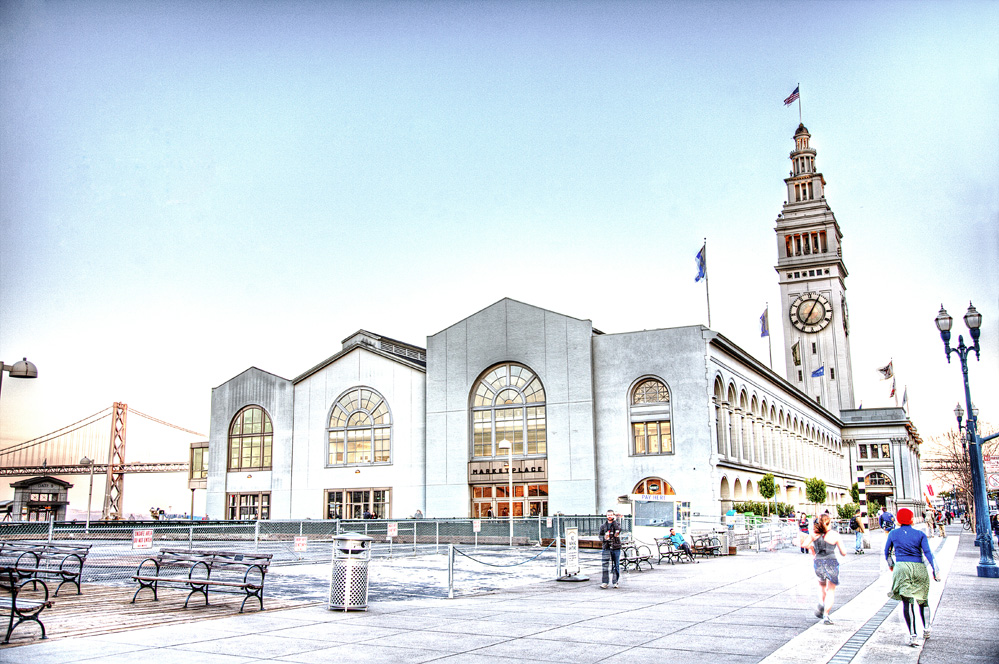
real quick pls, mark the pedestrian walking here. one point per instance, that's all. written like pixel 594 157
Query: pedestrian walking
pixel 823 543
pixel 610 536
pixel 904 551
pixel 803 529
pixel 886 520
pixel 857 526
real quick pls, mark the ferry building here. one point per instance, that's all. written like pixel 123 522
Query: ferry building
pixel 389 428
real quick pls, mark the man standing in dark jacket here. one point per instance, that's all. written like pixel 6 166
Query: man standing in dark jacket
pixel 610 537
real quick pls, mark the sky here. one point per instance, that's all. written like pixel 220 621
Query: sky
pixel 188 189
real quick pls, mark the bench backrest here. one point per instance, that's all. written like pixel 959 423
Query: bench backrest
pixel 46 553
pixel 214 560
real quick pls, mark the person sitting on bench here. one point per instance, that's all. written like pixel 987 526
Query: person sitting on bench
pixel 679 542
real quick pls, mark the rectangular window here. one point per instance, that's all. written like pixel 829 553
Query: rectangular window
pixel 249 506
pixel 885 451
pixel 199 463
pixel 822 242
pixel 788 247
pixel 874 451
pixel 482 433
pixel 813 348
pixel 832 373
pixel 353 503
pixel 863 451
pixel 652 438
pixel 799 375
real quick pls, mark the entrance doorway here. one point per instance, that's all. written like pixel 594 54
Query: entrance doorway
pixel 492 500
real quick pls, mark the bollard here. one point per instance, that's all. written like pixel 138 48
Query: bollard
pixel 450 571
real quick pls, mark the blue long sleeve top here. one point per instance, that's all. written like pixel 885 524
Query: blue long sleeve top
pixel 910 545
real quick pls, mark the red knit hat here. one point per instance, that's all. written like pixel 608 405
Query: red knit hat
pixel 904 516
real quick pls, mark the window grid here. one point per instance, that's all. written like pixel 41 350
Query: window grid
pixel 651 428
pixel 508 404
pixel 250 439
pixel 360 429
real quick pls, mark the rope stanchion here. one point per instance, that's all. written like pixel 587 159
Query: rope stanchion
pixel 481 562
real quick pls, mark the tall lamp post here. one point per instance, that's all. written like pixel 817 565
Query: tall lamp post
pixel 22 369
pixel 986 564
pixel 87 461
pixel 506 444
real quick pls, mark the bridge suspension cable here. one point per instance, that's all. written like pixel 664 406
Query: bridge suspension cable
pixel 69 428
pixel 159 421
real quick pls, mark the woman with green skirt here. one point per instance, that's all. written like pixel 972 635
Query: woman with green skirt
pixel 910 580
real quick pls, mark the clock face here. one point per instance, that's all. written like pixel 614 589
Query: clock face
pixel 810 312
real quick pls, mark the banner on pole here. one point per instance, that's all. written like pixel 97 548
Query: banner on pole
pixel 571 551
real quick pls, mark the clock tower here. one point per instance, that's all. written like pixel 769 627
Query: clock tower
pixel 812 279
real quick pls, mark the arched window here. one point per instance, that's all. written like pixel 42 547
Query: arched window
pixel 654 486
pixel 508 403
pixel 360 429
pixel 250 439
pixel 877 479
pixel 651 431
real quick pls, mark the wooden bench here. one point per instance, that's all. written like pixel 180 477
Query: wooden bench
pixel 45 560
pixel 199 570
pixel 706 545
pixel 669 552
pixel 633 555
pixel 22 609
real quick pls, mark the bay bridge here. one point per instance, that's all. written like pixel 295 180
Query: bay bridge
pixel 95 445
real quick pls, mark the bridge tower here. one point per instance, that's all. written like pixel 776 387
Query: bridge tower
pixel 116 464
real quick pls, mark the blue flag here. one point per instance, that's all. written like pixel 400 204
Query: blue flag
pixel 765 323
pixel 702 264
pixel 818 373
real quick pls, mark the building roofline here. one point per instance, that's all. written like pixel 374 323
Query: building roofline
pixel 360 346
pixel 729 346
pixel 510 299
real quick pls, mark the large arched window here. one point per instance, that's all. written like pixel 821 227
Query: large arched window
pixel 360 429
pixel 508 403
pixel 250 438
pixel 877 479
pixel 651 431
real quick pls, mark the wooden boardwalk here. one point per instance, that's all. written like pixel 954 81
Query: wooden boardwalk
pixel 102 609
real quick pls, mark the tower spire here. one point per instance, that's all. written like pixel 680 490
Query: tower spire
pixel 812 278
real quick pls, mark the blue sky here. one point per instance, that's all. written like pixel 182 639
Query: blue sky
pixel 189 189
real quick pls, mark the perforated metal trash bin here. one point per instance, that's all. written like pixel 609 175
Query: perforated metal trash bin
pixel 349 576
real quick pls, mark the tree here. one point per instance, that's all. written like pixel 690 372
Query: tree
pixel 948 463
pixel 815 491
pixel 767 488
pixel 855 493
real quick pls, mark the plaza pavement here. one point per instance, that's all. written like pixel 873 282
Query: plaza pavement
pixel 752 607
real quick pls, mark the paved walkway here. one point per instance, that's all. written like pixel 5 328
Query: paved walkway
pixel 744 608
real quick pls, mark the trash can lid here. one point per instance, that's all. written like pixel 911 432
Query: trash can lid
pixel 351 542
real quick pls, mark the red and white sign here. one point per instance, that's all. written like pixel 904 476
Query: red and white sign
pixel 393 529
pixel 301 543
pixel 991 463
pixel 476 525
pixel 142 539
pixel 992 481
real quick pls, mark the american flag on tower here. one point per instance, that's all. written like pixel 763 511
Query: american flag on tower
pixel 792 96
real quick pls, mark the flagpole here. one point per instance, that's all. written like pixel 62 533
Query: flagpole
pixel 800 121
pixel 770 344
pixel 707 290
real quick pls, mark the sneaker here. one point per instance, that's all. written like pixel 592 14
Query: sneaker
pixel 603 585
pixel 820 611
pixel 913 641
pixel 827 620
pixel 926 633
pixel 615 585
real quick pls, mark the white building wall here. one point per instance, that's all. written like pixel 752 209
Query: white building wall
pixel 557 349
pixel 276 396
pixel 403 389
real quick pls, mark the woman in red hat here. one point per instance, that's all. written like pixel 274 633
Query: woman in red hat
pixel 910 580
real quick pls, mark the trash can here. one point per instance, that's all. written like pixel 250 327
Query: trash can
pixel 349 577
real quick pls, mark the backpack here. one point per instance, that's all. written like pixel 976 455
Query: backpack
pixel 853 523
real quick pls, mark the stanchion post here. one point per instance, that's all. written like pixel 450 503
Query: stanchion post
pixel 450 571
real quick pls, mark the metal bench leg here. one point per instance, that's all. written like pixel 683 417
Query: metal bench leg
pixel 203 590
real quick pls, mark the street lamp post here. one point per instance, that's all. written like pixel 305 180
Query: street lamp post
pixel 86 461
pixel 983 539
pixel 509 471
pixel 22 369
